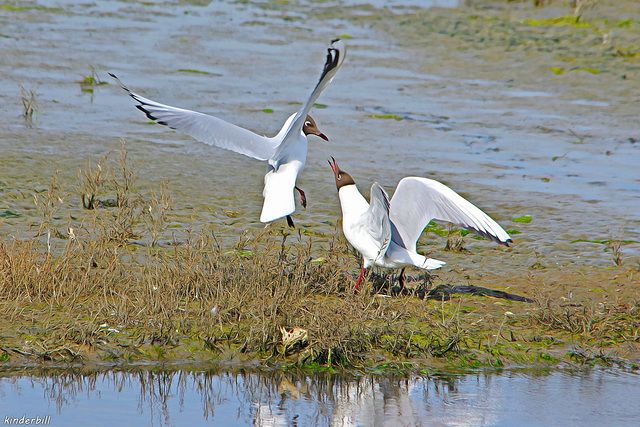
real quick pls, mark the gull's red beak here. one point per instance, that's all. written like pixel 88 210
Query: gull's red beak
pixel 333 165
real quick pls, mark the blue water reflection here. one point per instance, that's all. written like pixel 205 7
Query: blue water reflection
pixel 165 398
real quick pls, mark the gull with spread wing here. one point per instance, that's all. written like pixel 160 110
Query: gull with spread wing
pixel 385 231
pixel 285 153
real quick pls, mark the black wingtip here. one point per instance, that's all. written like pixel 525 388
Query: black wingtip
pixel 120 83
pixel 333 59
pixel 488 236
pixel 148 114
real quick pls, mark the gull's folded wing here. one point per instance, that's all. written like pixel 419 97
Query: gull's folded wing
pixel 375 221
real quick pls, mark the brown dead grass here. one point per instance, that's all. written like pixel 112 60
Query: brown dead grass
pixel 96 295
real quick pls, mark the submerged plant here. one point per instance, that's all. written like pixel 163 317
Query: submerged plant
pixel 29 101
pixel 88 82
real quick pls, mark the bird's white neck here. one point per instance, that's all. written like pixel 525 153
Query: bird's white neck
pixel 352 202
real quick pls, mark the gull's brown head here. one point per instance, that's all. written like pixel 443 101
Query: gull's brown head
pixel 342 178
pixel 310 128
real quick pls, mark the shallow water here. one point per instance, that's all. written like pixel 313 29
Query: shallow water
pixel 495 125
pixel 164 398
pixel 484 115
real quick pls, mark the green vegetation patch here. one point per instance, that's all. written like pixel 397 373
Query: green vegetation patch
pixel 560 70
pixel 23 8
pixel 191 70
pixel 386 116
pixel 560 21
pixel 9 214
pixel 524 219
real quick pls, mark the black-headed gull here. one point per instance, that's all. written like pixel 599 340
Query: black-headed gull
pixel 386 231
pixel 286 153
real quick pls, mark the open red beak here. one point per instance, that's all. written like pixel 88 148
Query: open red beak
pixel 333 165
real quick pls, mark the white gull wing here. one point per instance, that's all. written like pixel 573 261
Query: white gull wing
pixel 335 56
pixel 207 129
pixel 417 201
pixel 374 225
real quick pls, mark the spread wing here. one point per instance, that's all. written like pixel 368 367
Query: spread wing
pixel 335 56
pixel 204 128
pixel 417 201
pixel 375 221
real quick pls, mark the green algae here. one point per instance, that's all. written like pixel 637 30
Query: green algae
pixel 524 219
pixel 386 116
pixel 194 71
pixel 560 21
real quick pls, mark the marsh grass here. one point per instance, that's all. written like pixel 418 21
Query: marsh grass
pixel 94 292
pixel 119 286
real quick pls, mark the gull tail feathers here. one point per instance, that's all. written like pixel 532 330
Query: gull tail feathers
pixel 421 261
pixel 278 193
pixel 432 264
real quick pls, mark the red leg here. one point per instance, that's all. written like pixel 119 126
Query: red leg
pixel 303 198
pixel 355 288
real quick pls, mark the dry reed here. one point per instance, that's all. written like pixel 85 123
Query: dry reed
pixel 94 294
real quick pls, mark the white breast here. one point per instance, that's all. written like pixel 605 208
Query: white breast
pixel 354 205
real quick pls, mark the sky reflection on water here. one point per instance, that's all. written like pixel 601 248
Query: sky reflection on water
pixel 163 398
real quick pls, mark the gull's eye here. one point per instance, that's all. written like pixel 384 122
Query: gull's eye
pixel 307 123
pixel 339 176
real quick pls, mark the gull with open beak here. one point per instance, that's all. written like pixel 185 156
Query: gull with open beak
pixel 385 231
pixel 285 153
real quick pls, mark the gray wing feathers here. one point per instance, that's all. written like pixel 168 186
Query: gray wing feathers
pixel 207 129
pixel 376 219
pixel 417 201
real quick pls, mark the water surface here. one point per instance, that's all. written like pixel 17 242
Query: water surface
pixel 164 398
pixel 513 140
